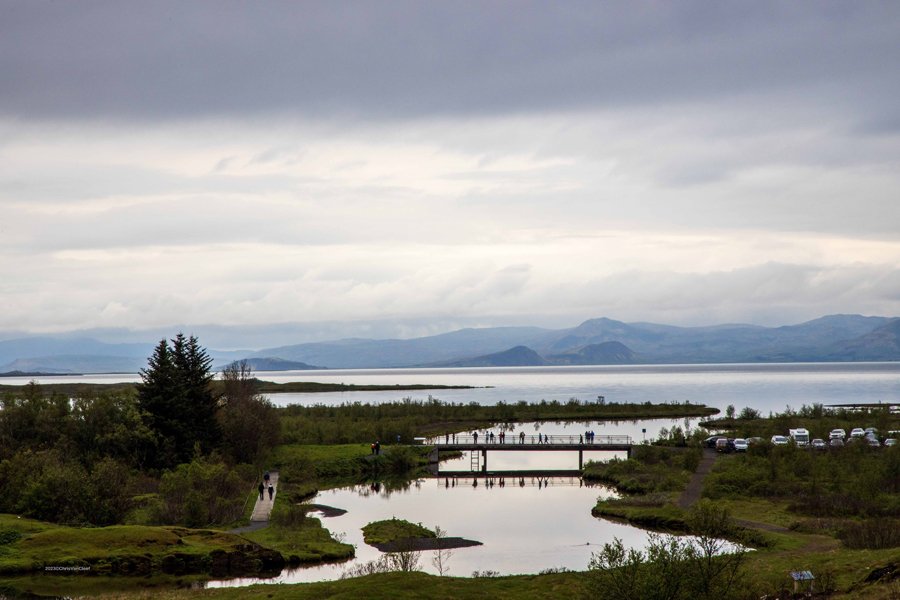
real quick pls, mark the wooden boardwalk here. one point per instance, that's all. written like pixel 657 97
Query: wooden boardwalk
pixel 262 510
pixel 531 443
pixel 528 443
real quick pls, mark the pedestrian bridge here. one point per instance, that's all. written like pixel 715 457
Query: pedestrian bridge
pixel 530 443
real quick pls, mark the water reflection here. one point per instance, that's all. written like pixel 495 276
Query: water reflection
pixel 501 481
pixel 526 524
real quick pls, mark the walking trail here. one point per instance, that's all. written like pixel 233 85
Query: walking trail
pixel 262 510
pixel 692 492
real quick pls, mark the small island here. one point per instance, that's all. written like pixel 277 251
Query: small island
pixel 397 535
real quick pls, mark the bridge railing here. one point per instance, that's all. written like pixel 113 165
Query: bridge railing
pixel 529 440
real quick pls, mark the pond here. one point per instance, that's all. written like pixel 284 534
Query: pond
pixel 525 524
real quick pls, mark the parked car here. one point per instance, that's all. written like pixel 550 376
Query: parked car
pixel 741 445
pixel 755 440
pixel 819 444
pixel 872 430
pixel 710 442
pixel 857 432
pixel 780 440
pixel 836 443
pixel 837 434
pixel 724 445
pixel 890 442
pixel 873 441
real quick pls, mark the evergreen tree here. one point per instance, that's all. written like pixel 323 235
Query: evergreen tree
pixel 196 378
pixel 178 400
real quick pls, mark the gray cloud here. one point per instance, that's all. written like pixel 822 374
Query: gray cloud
pixel 149 60
pixel 421 165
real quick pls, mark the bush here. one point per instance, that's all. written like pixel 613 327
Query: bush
pixel 871 535
pixel 204 492
pixel 289 516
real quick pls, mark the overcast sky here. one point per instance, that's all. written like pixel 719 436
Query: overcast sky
pixel 447 164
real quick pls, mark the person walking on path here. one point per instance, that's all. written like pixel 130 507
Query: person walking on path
pixel 271 491
pixel 261 489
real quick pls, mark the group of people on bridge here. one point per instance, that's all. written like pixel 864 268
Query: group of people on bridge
pixel 489 437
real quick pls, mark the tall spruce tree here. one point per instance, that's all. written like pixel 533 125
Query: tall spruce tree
pixel 176 396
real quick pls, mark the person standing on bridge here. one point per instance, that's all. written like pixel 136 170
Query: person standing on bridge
pixel 521 437
pixel 475 436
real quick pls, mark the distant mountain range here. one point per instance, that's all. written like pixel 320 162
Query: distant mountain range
pixel 600 341
pixel 278 364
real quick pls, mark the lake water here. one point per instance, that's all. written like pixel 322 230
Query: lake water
pixel 769 387
pixel 765 387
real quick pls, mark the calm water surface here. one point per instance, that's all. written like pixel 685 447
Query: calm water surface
pixel 769 387
pixel 525 526
pixel 765 387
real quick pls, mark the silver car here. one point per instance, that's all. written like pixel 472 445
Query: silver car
pixel 818 444
pixel 741 445
pixel 837 434
pixel 780 440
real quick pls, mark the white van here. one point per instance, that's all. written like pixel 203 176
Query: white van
pixel 800 436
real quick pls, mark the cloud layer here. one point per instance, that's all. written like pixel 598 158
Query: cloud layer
pixel 239 163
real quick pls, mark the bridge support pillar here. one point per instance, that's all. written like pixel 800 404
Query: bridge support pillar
pixel 580 459
pixel 484 459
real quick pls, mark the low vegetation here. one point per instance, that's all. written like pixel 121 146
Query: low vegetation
pixel 853 482
pixel 673 568
pixel 394 530
pixel 299 537
pixel 650 470
pixel 33 546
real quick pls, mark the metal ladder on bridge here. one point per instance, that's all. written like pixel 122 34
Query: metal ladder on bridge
pixel 475 460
